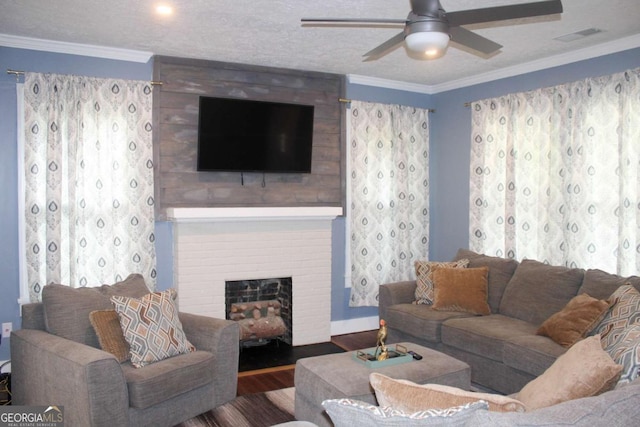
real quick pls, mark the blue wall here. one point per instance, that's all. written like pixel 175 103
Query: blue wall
pixel 449 146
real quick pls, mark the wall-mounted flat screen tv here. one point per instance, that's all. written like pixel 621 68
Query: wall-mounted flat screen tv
pixel 254 136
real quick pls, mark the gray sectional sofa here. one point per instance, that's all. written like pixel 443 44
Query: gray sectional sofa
pixel 502 348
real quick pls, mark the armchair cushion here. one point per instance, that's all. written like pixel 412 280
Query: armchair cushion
pixel 168 378
pixel 67 309
pixel 152 327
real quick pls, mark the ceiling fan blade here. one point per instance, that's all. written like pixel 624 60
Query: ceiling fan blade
pixel 352 20
pixel 385 47
pixel 425 7
pixel 501 13
pixel 473 40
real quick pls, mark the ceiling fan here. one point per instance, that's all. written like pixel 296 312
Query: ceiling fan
pixel 428 28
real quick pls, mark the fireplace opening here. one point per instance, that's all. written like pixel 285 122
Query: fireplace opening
pixel 263 309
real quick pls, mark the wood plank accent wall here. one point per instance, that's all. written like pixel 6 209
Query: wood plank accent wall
pixel 175 121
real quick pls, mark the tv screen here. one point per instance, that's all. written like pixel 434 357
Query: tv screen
pixel 254 136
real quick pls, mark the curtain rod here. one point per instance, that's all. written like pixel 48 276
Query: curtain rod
pixel 15 72
pixel 348 101
pixel 19 73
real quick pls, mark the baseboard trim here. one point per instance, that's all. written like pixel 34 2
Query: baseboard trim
pixel 341 327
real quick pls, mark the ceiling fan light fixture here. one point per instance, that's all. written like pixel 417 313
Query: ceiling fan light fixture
pixel 430 43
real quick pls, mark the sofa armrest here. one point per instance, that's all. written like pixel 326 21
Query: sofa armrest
pixel 222 338
pixel 50 370
pixel 395 293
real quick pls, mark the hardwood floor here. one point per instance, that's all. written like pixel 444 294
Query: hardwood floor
pixel 282 376
pixel 356 341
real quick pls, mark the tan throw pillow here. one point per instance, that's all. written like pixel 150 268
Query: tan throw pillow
pixel 461 289
pixel 584 370
pixel 568 326
pixel 107 326
pixel 424 284
pixel 409 397
pixel 151 327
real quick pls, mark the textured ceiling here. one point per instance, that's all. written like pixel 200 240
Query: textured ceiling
pixel 269 32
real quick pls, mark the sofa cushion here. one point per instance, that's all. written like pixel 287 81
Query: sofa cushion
pixel 106 324
pixel 532 354
pixel 584 370
pixel 168 378
pixel 350 413
pixel 625 311
pixel 461 289
pixel 486 335
pixel 408 396
pixel 67 309
pixel 575 320
pixel 626 352
pixel 424 284
pixel 600 284
pixel 152 327
pixel 500 272
pixel 536 291
pixel 419 320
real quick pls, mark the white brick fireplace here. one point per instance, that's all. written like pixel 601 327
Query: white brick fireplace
pixel 215 245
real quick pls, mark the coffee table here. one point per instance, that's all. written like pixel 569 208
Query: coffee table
pixel 336 376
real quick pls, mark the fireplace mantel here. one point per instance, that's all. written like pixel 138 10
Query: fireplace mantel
pixel 214 245
pixel 253 214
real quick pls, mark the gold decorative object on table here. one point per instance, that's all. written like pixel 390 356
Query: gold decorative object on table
pixel 380 342
pixel 381 355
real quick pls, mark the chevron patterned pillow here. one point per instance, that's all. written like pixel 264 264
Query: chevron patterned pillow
pixel 624 311
pixel 151 327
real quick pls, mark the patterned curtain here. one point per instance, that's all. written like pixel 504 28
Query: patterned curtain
pixel 389 195
pixel 555 174
pixel 88 168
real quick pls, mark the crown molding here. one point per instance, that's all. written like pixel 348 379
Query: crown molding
pixel 389 84
pixel 603 49
pixel 75 48
pixel 619 45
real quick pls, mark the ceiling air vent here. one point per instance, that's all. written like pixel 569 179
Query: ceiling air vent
pixel 578 35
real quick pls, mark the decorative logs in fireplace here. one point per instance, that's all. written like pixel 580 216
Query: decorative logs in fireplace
pixel 258 320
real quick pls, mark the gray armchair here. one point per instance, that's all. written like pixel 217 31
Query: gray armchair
pixel 96 390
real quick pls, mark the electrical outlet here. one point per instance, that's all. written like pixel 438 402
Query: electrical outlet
pixel 6 329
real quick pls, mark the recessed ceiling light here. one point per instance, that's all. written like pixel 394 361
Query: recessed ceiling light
pixel 578 35
pixel 164 9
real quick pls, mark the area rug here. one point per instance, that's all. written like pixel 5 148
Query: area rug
pixel 251 410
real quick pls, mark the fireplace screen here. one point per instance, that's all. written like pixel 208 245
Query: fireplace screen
pixel 263 308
